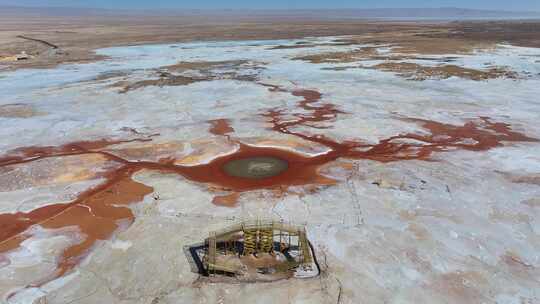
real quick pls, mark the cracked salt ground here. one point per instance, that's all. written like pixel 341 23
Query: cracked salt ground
pixel 411 191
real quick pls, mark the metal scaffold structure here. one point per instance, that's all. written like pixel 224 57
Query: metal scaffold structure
pixel 282 242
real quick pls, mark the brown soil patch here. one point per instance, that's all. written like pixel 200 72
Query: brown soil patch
pixel 296 46
pixel 533 179
pixel 363 53
pixel 415 71
pixel 204 65
pixel 312 45
pixel 108 75
pixel 18 110
pixel 165 79
pixel 426 40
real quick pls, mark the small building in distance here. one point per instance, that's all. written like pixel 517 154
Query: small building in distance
pixel 19 57
pixel 22 56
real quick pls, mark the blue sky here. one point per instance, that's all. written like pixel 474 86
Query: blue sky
pixel 525 5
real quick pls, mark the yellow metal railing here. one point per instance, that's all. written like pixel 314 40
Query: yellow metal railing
pixel 250 242
pixel 258 236
pixel 266 240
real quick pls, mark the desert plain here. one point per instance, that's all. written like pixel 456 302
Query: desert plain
pixel 412 151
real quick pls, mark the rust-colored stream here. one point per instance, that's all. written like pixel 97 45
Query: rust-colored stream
pixel 99 212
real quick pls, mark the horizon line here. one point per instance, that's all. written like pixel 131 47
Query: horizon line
pixel 272 9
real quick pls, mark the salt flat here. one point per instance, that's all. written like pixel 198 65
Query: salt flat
pixel 423 185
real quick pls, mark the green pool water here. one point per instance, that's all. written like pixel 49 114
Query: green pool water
pixel 255 167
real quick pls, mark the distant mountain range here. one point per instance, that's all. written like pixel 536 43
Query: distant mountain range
pixel 382 13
